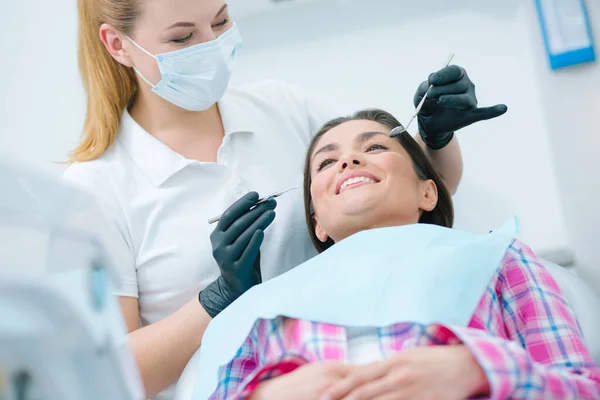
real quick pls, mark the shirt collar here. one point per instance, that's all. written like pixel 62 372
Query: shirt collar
pixel 158 161
pixel 238 112
pixel 152 156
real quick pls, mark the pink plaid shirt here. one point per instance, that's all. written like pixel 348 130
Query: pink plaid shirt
pixel 523 334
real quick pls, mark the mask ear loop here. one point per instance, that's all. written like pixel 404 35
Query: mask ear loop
pixel 137 71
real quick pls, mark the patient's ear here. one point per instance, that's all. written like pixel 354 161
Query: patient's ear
pixel 320 232
pixel 429 195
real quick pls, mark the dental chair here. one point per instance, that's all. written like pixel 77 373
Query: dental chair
pixel 62 336
pixel 584 301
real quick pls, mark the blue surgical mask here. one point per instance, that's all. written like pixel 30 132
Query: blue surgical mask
pixel 196 77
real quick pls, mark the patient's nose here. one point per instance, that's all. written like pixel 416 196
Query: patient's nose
pixel 354 161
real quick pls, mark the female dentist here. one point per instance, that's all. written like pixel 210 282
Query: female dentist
pixel 166 146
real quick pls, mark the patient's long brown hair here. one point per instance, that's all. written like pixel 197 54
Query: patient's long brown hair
pixel 442 214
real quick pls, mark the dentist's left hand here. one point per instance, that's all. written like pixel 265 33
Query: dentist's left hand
pixel 236 245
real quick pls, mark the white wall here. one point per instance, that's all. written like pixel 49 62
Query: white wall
pixel 572 105
pixel 41 99
pixel 363 53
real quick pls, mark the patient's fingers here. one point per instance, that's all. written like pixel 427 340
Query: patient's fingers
pixel 360 376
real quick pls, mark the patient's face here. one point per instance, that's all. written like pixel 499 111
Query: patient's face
pixel 363 179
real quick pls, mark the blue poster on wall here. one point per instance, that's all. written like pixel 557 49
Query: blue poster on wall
pixel 567 33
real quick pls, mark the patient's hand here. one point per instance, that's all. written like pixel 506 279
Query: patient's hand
pixel 308 382
pixel 440 372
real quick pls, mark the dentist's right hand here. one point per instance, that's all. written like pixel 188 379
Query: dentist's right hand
pixel 236 245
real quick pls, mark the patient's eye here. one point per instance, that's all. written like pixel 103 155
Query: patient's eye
pixel 375 146
pixel 325 163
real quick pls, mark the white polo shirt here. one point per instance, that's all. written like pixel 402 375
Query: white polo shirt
pixel 159 202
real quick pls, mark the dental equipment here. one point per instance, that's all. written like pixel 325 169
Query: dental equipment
pixel 400 129
pixel 62 335
pixel 260 201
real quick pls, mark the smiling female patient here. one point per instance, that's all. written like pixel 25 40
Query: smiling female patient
pixel 522 341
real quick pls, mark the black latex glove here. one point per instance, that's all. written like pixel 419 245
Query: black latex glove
pixel 451 105
pixel 236 244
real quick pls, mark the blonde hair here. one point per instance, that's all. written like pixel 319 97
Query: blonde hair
pixel 109 85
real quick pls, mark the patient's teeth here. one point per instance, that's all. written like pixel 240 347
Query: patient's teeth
pixel 352 181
